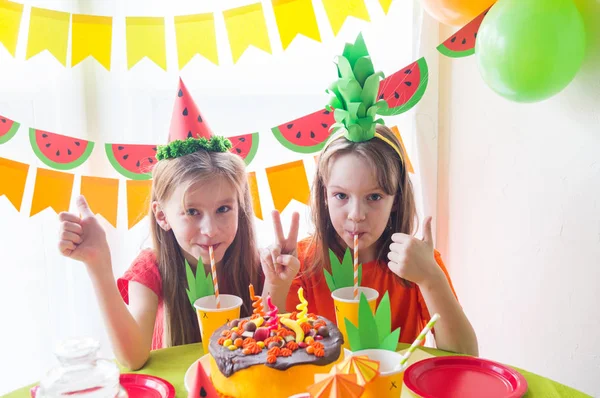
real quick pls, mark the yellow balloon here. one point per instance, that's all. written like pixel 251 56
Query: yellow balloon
pixel 456 12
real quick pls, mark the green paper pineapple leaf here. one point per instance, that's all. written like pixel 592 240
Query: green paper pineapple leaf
pixel 342 273
pixel 200 285
pixel 373 331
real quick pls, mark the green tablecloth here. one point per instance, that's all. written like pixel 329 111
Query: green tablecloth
pixel 172 363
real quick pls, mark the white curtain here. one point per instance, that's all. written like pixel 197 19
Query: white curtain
pixel 44 297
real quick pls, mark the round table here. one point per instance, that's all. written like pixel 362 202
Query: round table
pixel 172 363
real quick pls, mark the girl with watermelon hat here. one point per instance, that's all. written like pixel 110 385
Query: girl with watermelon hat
pixel 200 199
pixel 362 190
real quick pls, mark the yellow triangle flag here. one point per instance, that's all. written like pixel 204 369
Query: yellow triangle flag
pixel 409 166
pixel 385 4
pixel 92 36
pixel 48 30
pixel 339 10
pixel 246 27
pixel 102 194
pixel 146 38
pixel 252 183
pixel 13 176
pixel 10 21
pixel 138 201
pixel 295 17
pixel 196 35
pixel 288 181
pixel 52 189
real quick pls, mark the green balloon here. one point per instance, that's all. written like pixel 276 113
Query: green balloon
pixel 529 50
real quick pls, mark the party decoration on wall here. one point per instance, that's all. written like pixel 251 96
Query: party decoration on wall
pixel 196 34
pixel 340 10
pixel 245 146
pixel 59 151
pixel 455 12
pixel 342 273
pixel 13 176
pixel 246 27
pixel 541 49
pixel 462 43
pixel 407 162
pixel 8 129
pixel 199 285
pixel 385 4
pixel 138 201
pixel 403 89
pixel 102 194
pixel 373 331
pixel 295 17
pixel 253 185
pixel 133 161
pixel 92 37
pixel 52 189
pixel 288 181
pixel 307 134
pixel 146 38
pixel 10 22
pixel 48 30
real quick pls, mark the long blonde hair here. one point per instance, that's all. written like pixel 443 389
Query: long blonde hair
pixel 241 262
pixel 392 178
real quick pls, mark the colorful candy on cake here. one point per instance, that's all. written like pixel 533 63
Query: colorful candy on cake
pixel 272 354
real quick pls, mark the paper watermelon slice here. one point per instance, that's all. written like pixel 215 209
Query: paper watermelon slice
pixel 405 88
pixel 245 145
pixel 462 43
pixel 307 134
pixel 8 129
pixel 134 161
pixel 59 151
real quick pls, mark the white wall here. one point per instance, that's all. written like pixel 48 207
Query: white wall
pixel 519 216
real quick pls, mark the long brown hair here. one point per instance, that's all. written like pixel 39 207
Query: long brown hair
pixel 390 172
pixel 241 262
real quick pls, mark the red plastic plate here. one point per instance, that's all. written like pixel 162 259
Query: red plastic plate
pixel 146 386
pixel 465 377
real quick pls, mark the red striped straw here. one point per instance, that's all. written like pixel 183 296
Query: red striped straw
pixel 355 267
pixel 214 275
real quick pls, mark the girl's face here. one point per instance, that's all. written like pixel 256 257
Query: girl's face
pixel 208 216
pixel 356 203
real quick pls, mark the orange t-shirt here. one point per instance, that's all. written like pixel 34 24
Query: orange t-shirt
pixel 408 308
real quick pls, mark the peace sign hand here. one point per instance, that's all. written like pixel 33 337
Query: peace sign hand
pixel 279 261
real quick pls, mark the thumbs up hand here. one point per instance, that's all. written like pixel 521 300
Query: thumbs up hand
pixel 81 237
pixel 412 258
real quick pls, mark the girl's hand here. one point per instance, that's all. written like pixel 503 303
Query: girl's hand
pixel 279 262
pixel 413 259
pixel 82 238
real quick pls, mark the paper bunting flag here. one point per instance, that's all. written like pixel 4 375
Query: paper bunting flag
pixel 52 189
pixel 146 38
pixel 8 129
pixel 133 161
pixel 364 368
pixel 342 273
pixel 48 30
pixel 335 385
pixel 246 27
pixel 462 43
pixel 196 35
pixel 58 151
pixel 102 194
pixel 295 17
pixel 385 4
pixel 306 134
pixel 92 37
pixel 138 201
pixel 339 10
pixel 408 164
pixel 13 176
pixel 373 331
pixel 199 285
pixel 288 181
pixel 10 22
pixel 252 183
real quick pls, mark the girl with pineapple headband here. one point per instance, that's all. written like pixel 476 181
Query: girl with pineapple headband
pixel 200 198
pixel 361 188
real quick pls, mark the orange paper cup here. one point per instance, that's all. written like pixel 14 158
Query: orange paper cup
pixel 210 318
pixel 347 307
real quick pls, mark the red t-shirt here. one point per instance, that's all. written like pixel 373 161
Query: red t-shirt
pixel 408 308
pixel 144 270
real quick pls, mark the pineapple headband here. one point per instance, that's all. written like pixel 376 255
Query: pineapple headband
pixel 354 100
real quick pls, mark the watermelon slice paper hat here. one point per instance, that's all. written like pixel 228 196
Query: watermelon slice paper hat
pixel 354 96
pixel 189 131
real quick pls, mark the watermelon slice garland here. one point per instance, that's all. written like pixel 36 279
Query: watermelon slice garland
pixel 59 151
pixel 8 129
pixel 133 161
pixel 462 43
pixel 245 146
pixel 307 134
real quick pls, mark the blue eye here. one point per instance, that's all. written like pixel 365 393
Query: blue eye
pixel 375 197
pixel 223 209
pixel 340 196
pixel 191 212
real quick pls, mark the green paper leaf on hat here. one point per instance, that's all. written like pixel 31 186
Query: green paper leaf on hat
pixel 370 89
pixel 363 69
pixel 354 51
pixel 344 68
pixel 350 90
pixel 356 134
pixel 341 115
pixel 200 285
pixel 353 110
pixel 362 110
